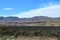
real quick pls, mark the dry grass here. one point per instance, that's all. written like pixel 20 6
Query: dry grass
pixel 32 38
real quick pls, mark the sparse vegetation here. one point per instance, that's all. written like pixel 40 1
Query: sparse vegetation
pixel 30 31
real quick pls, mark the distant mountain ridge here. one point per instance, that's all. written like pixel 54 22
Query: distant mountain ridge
pixel 36 18
pixel 34 21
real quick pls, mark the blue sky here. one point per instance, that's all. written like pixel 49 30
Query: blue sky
pixel 30 8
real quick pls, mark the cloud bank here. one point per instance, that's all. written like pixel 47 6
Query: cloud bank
pixel 48 10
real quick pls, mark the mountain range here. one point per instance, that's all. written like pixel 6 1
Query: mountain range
pixel 34 21
pixel 36 18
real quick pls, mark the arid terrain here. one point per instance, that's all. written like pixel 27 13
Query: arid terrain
pixel 35 28
pixel 34 21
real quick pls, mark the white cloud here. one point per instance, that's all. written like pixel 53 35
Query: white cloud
pixel 7 9
pixel 51 11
